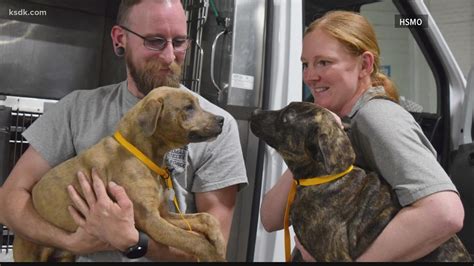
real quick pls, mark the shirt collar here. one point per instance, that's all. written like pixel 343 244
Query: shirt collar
pixel 129 98
pixel 368 94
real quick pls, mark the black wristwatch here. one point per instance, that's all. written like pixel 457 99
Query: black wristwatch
pixel 139 250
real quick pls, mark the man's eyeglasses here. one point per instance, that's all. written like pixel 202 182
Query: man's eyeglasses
pixel 158 43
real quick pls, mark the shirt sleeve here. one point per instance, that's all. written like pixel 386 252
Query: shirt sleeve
pixel 393 144
pixel 51 134
pixel 222 164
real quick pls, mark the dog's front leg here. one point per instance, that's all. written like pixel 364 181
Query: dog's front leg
pixel 166 233
pixel 147 195
pixel 202 223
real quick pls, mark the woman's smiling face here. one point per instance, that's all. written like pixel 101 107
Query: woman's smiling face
pixel 331 72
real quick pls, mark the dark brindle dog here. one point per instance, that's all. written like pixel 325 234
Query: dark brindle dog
pixel 335 221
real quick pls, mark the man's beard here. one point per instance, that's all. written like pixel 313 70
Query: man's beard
pixel 149 77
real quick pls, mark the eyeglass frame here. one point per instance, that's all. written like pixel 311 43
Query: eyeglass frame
pixel 148 39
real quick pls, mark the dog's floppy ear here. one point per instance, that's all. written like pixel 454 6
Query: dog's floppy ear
pixel 318 148
pixel 149 116
pixel 324 147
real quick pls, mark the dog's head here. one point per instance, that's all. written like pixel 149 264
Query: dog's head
pixel 307 137
pixel 175 116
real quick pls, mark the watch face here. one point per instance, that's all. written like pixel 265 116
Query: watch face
pixel 139 250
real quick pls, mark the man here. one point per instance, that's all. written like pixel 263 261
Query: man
pixel 206 175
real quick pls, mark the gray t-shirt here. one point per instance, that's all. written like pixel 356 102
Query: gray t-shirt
pixel 83 117
pixel 388 140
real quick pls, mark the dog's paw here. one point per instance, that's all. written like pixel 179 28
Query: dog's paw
pixel 212 257
pixel 207 252
pixel 214 233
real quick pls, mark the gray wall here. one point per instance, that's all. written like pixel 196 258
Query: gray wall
pixel 48 56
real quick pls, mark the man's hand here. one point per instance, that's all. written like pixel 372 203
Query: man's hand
pixel 108 220
pixel 82 243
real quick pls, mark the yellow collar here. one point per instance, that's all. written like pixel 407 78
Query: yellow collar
pixel 164 173
pixel 291 196
pixel 142 157
pixel 321 179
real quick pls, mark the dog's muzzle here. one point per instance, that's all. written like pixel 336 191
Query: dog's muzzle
pixel 209 132
pixel 255 121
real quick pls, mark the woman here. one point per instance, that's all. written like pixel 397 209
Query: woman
pixel 340 59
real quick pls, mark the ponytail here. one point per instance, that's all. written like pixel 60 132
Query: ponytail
pixel 380 79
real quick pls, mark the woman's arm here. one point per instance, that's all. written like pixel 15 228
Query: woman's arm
pixel 418 229
pixel 272 211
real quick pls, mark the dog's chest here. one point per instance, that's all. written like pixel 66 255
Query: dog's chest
pixel 321 206
pixel 339 199
pixel 331 220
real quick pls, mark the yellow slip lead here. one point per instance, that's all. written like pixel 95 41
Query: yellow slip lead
pixel 291 196
pixel 154 167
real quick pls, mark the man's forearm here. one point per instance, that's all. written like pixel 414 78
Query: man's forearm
pixel 21 216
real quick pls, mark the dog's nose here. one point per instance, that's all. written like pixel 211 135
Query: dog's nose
pixel 220 120
pixel 256 111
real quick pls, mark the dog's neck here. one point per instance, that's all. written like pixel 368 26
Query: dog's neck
pixel 153 147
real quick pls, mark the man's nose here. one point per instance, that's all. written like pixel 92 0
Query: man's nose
pixel 167 55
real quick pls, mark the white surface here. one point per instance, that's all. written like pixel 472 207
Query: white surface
pixel 6 257
pixel 286 84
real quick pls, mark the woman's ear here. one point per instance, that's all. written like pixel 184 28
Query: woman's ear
pixel 367 64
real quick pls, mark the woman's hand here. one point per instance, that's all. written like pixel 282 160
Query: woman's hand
pixel 304 253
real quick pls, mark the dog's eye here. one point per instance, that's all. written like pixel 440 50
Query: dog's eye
pixel 284 117
pixel 189 108
pixel 188 111
pixel 288 116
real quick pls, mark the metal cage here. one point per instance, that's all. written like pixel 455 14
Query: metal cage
pixel 16 115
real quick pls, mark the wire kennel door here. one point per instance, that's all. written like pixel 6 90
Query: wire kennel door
pixel 16 115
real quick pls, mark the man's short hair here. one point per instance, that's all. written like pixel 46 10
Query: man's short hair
pixel 126 6
pixel 124 10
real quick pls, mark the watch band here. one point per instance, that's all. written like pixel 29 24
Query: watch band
pixel 139 250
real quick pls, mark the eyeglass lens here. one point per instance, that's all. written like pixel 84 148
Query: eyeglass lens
pixel 158 43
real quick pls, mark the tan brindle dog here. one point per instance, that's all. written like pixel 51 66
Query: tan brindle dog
pixel 167 118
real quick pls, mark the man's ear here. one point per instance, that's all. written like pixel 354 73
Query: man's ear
pixel 149 116
pixel 118 39
pixel 367 64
